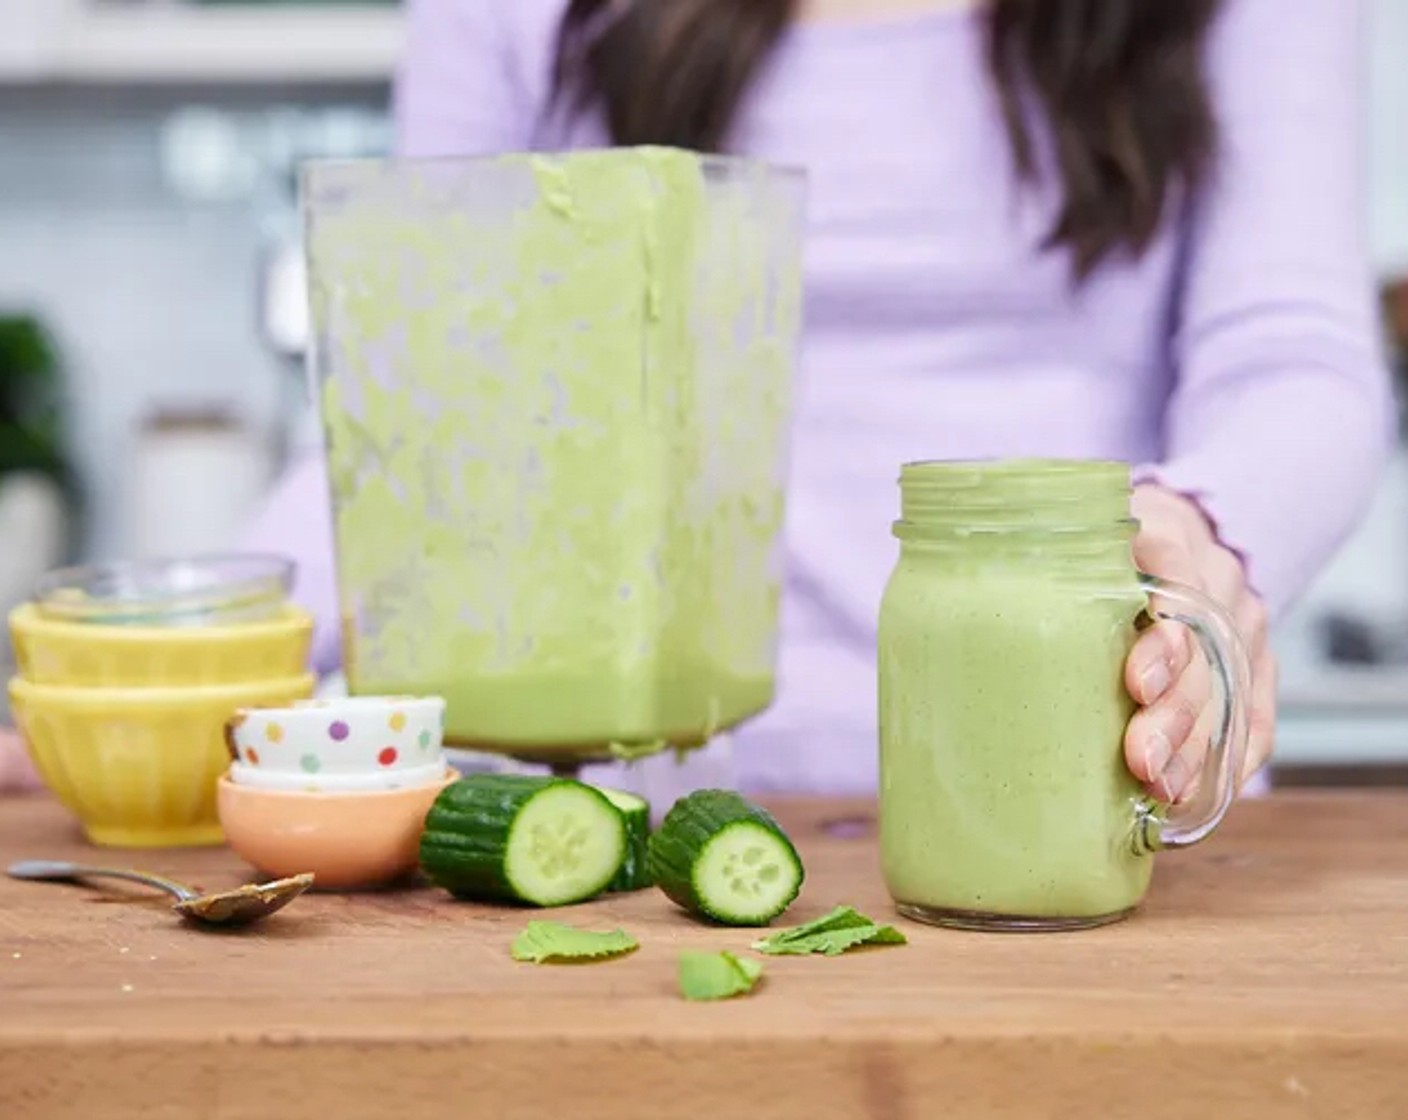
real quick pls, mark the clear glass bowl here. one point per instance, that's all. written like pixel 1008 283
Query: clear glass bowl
pixel 210 590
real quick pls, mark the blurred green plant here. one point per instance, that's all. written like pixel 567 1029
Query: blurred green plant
pixel 31 402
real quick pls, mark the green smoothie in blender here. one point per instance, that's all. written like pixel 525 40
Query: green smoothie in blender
pixel 555 393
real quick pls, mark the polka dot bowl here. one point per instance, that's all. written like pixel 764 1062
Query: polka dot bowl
pixel 381 738
pixel 259 777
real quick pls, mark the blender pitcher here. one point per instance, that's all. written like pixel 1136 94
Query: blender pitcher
pixel 556 392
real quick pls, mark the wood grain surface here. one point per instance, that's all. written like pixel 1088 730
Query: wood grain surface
pixel 1267 976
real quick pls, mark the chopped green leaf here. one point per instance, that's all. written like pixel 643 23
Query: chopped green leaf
pixel 844 928
pixel 705 976
pixel 553 941
pixel 843 917
pixel 832 943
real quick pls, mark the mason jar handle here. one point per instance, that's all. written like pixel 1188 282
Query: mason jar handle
pixel 1182 826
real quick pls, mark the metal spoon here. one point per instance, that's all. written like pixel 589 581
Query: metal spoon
pixel 225 908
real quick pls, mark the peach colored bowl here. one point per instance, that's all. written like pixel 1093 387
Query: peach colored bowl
pixel 348 841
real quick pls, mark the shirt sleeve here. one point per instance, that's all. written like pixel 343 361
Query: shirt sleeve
pixel 457 91
pixel 1281 416
pixel 295 521
pixel 461 88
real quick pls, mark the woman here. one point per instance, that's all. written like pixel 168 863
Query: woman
pixel 1095 228
pixel 1102 228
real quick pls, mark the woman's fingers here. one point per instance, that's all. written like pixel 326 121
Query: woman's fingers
pixel 1176 543
pixel 1159 657
pixel 1167 556
pixel 1158 677
pixel 1181 780
pixel 1168 652
pixel 1159 742
pixel 1180 777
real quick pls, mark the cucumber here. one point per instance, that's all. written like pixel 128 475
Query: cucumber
pixel 635 811
pixel 718 855
pixel 518 838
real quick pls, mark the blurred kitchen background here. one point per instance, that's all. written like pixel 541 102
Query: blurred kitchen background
pixel 152 317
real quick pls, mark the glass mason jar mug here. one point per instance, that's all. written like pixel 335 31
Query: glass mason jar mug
pixel 1005 801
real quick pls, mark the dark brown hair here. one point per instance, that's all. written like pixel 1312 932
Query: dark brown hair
pixel 1121 84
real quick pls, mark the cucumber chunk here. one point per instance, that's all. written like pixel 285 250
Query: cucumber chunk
pixel 720 856
pixel 635 811
pixel 509 837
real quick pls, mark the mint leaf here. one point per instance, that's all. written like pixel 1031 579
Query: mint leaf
pixel 843 917
pixel 553 941
pixel 706 976
pixel 831 943
pixel 844 928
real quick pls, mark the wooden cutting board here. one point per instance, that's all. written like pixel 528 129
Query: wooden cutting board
pixel 1266 977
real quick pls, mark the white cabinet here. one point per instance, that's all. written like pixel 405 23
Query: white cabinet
pixel 83 42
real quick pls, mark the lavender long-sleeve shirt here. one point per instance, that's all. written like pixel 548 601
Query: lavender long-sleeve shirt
pixel 1237 362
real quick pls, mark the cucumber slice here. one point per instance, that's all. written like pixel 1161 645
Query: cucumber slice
pixel 510 837
pixel 718 855
pixel 635 811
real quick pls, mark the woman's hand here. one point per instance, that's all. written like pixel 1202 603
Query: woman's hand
pixel 1167 675
pixel 17 773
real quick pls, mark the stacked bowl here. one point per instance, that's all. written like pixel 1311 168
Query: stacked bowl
pixel 128 674
pixel 336 787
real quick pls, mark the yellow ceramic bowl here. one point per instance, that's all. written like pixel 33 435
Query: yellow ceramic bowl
pixel 349 841
pixel 138 767
pixel 49 651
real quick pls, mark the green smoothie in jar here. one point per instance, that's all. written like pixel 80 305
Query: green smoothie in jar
pixel 1005 798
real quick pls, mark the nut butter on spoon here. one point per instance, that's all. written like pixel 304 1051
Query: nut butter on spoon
pixel 241 906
